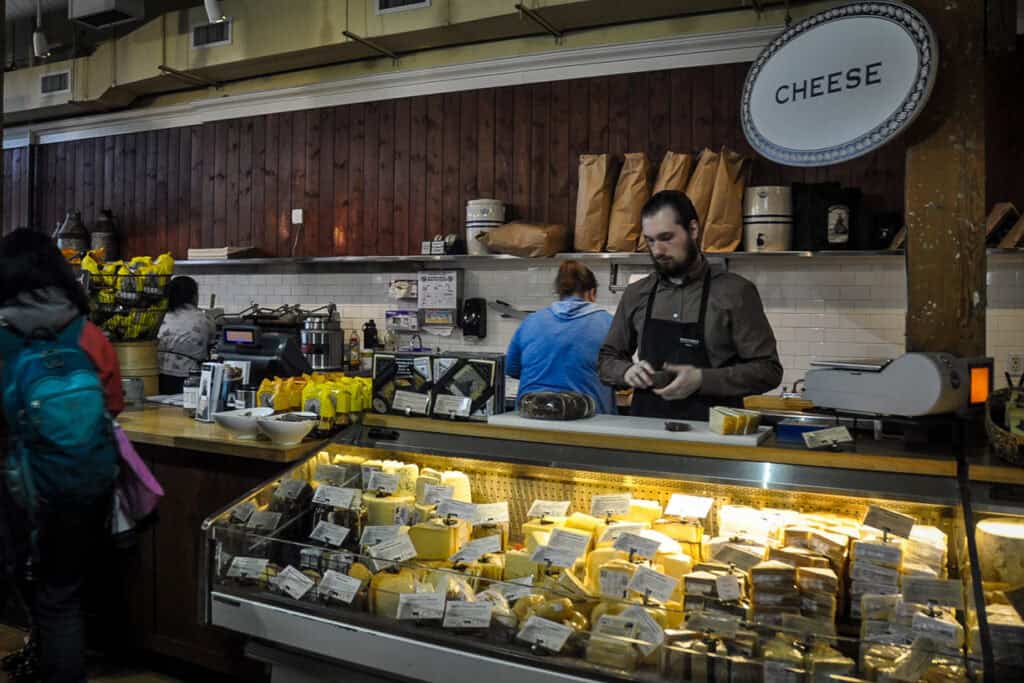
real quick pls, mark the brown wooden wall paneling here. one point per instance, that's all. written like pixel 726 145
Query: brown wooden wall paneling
pixel 402 180
pixel 558 159
pixel 504 137
pixel 452 157
pixel 356 178
pixel 385 229
pixel 417 174
pixel 378 178
pixel 434 166
pixel 325 232
pixel 342 229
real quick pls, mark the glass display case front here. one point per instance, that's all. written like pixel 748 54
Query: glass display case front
pixel 595 575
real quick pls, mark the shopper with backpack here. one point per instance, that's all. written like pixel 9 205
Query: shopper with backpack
pixel 61 387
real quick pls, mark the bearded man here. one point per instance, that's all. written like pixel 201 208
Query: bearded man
pixel 699 334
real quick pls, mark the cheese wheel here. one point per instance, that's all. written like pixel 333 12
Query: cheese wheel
pixel 1001 550
pixel 387 510
pixel 459 482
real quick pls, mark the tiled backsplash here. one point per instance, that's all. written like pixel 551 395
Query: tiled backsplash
pixel 818 308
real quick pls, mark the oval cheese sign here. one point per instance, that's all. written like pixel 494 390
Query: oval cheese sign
pixel 839 84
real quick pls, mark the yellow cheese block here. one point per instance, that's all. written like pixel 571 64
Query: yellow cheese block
pixel 679 531
pixel 407 475
pixel 486 571
pixel 643 511
pixel 460 485
pixel 500 529
pixel 428 477
pixel 387 510
pixel 615 653
pixel 518 565
pixel 595 560
pixel 613 577
pixel 438 540
pixel 424 512
pixel 546 525
pixel 385 588
pixel 581 521
pixel 536 539
pixel 817 580
pixel 723 421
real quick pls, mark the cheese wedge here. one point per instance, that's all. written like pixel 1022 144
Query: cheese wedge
pixel 485 530
pixel 518 565
pixel 615 653
pixel 595 559
pixel 679 531
pixel 438 540
pixel 643 511
pixel 428 477
pixel 723 421
pixel 536 539
pixel 817 580
pixel 613 578
pixel 459 482
pixel 385 588
pixel 546 525
pixel 387 510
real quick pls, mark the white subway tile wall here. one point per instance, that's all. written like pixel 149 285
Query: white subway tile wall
pixel 818 309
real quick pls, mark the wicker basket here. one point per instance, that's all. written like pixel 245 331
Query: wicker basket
pixel 1004 443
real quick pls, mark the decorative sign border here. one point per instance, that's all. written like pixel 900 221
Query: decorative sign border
pixel 915 26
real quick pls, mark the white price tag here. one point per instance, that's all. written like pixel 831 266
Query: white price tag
pixel 457 510
pixel 728 588
pixel 517 588
pixel 293 583
pixel 372 535
pixel 611 504
pixel 243 512
pixel 338 586
pixel 616 626
pixel 612 533
pixel 399 549
pixel 896 523
pixel 638 545
pixel 290 489
pixel 447 406
pixel 613 584
pixel 545 633
pixel 335 497
pixel 264 521
pixel 647 629
pixel 492 513
pixel 462 614
pixel 421 606
pixel 574 542
pixel 554 557
pixel 410 402
pixel 477 548
pixel 689 507
pixel 331 474
pixel 548 508
pixel 942 631
pixel 388 483
pixel 942 592
pixel 827 437
pixel 331 534
pixel 247 567
pixel 646 581
pixel 434 494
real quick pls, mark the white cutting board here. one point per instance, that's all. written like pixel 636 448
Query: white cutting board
pixel 636 427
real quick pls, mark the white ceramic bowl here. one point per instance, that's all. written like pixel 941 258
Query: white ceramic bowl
pixel 286 432
pixel 242 423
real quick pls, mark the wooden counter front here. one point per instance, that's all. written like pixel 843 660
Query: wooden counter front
pixel 165 426
pixel 870 456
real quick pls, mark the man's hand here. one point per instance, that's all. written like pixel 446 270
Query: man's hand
pixel 688 380
pixel 640 375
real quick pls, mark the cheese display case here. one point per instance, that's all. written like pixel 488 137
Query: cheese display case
pixel 435 556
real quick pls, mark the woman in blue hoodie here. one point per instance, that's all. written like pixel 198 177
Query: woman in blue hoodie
pixel 556 349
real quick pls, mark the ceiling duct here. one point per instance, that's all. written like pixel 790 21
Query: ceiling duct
pixel 106 13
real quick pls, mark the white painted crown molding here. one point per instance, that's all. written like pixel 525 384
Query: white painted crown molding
pixel 653 55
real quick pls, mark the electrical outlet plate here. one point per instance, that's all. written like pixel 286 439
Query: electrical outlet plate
pixel 1015 363
pixel 296 216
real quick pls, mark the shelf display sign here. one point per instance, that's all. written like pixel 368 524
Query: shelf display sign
pixel 839 84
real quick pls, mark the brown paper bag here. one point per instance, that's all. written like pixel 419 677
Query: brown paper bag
pixel 631 193
pixel 723 229
pixel 702 183
pixel 593 203
pixel 674 172
pixel 533 240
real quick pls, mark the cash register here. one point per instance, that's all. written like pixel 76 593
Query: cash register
pixel 270 354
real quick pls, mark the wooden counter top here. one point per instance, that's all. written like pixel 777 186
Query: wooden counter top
pixel 163 426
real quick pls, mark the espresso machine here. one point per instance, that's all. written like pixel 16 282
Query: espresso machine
pixel 323 341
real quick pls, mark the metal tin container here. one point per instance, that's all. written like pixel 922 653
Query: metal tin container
pixel 323 342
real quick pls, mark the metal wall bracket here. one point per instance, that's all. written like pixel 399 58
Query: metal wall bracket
pixel 190 78
pixel 536 17
pixel 372 45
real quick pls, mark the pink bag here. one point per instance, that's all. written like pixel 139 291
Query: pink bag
pixel 137 488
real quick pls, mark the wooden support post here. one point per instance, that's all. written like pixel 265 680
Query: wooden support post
pixel 945 190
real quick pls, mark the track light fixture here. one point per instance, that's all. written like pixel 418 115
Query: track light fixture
pixel 214 12
pixel 40 45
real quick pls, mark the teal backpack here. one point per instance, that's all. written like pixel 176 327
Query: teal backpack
pixel 62 454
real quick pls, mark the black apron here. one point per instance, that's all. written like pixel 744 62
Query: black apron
pixel 677 343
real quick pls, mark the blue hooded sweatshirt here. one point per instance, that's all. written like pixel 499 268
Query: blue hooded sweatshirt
pixel 555 349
